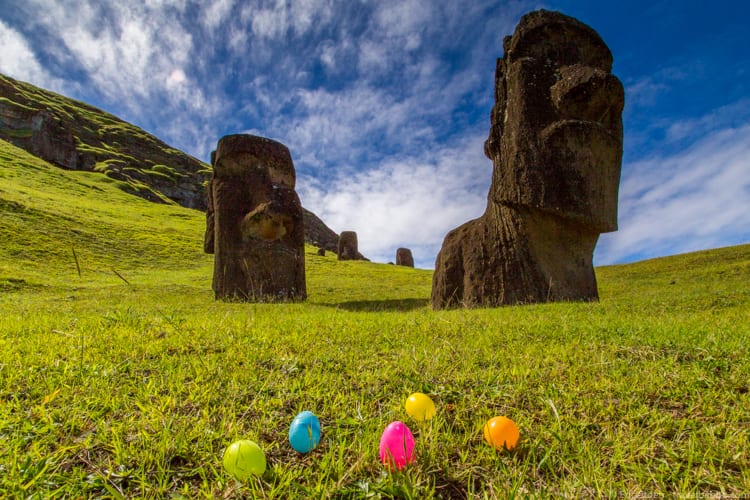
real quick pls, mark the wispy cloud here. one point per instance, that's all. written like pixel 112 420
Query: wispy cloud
pixel 17 59
pixel 136 57
pixel 696 198
pixel 407 201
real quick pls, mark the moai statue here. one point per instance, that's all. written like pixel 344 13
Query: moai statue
pixel 254 222
pixel 555 142
pixel 348 248
pixel 404 257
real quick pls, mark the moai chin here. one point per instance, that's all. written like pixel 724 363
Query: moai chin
pixel 404 257
pixel 254 222
pixel 555 142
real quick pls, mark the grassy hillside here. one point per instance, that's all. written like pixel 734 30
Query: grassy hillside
pixel 127 379
pixel 77 136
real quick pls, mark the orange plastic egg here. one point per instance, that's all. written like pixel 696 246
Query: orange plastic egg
pixel 501 433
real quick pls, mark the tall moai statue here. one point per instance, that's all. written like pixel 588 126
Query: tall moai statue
pixel 555 142
pixel 404 257
pixel 348 247
pixel 254 222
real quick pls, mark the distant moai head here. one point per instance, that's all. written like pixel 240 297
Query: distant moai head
pixel 556 128
pixel 404 257
pixel 257 219
pixel 348 248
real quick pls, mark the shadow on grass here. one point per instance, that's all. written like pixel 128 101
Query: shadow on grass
pixel 382 305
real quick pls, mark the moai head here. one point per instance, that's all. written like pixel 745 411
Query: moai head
pixel 556 133
pixel 348 247
pixel 258 233
pixel 404 257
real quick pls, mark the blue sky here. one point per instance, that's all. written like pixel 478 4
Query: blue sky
pixel 385 104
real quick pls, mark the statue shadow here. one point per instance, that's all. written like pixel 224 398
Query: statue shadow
pixel 382 305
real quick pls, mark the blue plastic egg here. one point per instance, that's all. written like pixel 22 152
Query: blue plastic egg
pixel 304 433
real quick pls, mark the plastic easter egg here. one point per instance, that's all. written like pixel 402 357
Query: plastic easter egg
pixel 304 433
pixel 397 446
pixel 243 459
pixel 420 407
pixel 502 433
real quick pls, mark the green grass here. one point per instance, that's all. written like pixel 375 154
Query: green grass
pixel 129 380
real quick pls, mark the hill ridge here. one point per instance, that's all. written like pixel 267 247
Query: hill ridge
pixel 75 135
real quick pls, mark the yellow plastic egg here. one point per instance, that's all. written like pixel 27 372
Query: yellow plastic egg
pixel 420 407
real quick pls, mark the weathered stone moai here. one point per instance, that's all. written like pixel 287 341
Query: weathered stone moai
pixel 348 248
pixel 404 257
pixel 254 222
pixel 555 142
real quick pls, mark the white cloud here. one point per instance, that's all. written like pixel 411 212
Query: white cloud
pixel 403 18
pixel 411 202
pixel 176 78
pixel 299 16
pixel 373 56
pixel 645 90
pixel 127 50
pixel 216 14
pixel 695 199
pixel 328 55
pixel 18 60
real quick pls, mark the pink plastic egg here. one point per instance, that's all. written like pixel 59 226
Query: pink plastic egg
pixel 397 446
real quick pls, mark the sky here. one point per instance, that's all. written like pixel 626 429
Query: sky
pixel 385 104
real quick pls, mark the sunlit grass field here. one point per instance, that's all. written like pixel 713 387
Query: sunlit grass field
pixel 121 377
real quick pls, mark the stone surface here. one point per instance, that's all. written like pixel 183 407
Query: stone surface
pixel 555 142
pixel 254 222
pixel 348 247
pixel 404 257
pixel 318 234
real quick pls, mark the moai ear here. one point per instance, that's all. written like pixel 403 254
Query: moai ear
pixel 209 237
pixel 497 115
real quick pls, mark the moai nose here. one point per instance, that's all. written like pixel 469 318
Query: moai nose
pixel 589 94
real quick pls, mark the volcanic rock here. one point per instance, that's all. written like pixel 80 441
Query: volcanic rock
pixel 347 249
pixel 404 257
pixel 254 222
pixel 555 142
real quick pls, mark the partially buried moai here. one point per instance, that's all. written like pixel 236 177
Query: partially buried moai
pixel 254 222
pixel 555 142
pixel 348 246
pixel 404 257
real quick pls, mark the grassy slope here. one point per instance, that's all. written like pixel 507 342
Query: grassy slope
pixel 146 166
pixel 111 388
